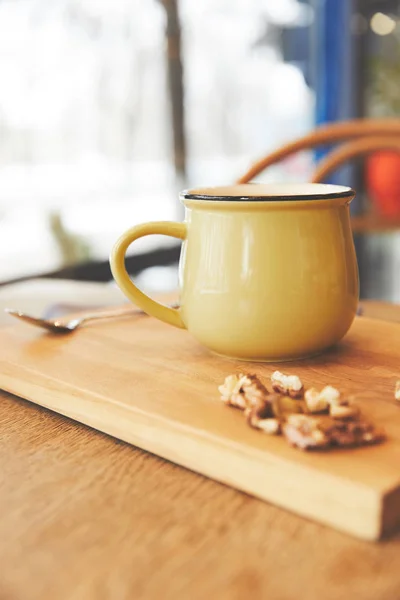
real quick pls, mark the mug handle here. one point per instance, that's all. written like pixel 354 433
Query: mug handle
pixel 120 274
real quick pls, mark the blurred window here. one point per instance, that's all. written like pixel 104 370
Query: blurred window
pixel 85 127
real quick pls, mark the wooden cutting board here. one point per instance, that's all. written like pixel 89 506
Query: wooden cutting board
pixel 153 386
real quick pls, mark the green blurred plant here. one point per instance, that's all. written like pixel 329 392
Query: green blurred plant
pixel 73 248
pixel 385 84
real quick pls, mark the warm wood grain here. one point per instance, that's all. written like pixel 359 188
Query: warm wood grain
pixel 153 386
pixel 86 517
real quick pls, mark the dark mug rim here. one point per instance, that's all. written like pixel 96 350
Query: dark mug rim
pixel 213 193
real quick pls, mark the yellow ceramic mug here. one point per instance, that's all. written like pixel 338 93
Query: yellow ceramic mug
pixel 267 272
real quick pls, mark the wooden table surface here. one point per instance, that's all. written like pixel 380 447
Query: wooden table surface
pixel 86 517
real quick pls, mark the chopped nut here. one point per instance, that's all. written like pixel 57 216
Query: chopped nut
pixel 355 433
pixel 270 426
pixel 254 390
pixel 229 386
pixel 343 411
pixel 282 406
pixel 318 402
pixel 242 391
pixel 287 384
pixel 303 431
pixel 230 391
pixel 260 416
pixel 344 426
pixel 310 433
pixel 331 395
pixel 315 403
pixel 397 391
pixel 262 409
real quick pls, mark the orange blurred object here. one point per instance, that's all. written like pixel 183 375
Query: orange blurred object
pixel 383 181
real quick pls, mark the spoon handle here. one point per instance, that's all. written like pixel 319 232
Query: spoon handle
pixel 110 314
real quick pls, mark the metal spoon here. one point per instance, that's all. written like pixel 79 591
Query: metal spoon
pixel 60 327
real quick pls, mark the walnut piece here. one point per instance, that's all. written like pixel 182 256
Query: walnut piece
pixel 230 391
pixel 397 391
pixel 282 406
pixel 242 391
pixel 357 432
pixel 287 384
pixel 270 426
pixel 327 398
pixel 315 403
pixel 303 431
pixel 302 421
pixel 261 412
pixel 343 411
pixel 311 433
pixel 331 395
pixel 254 390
